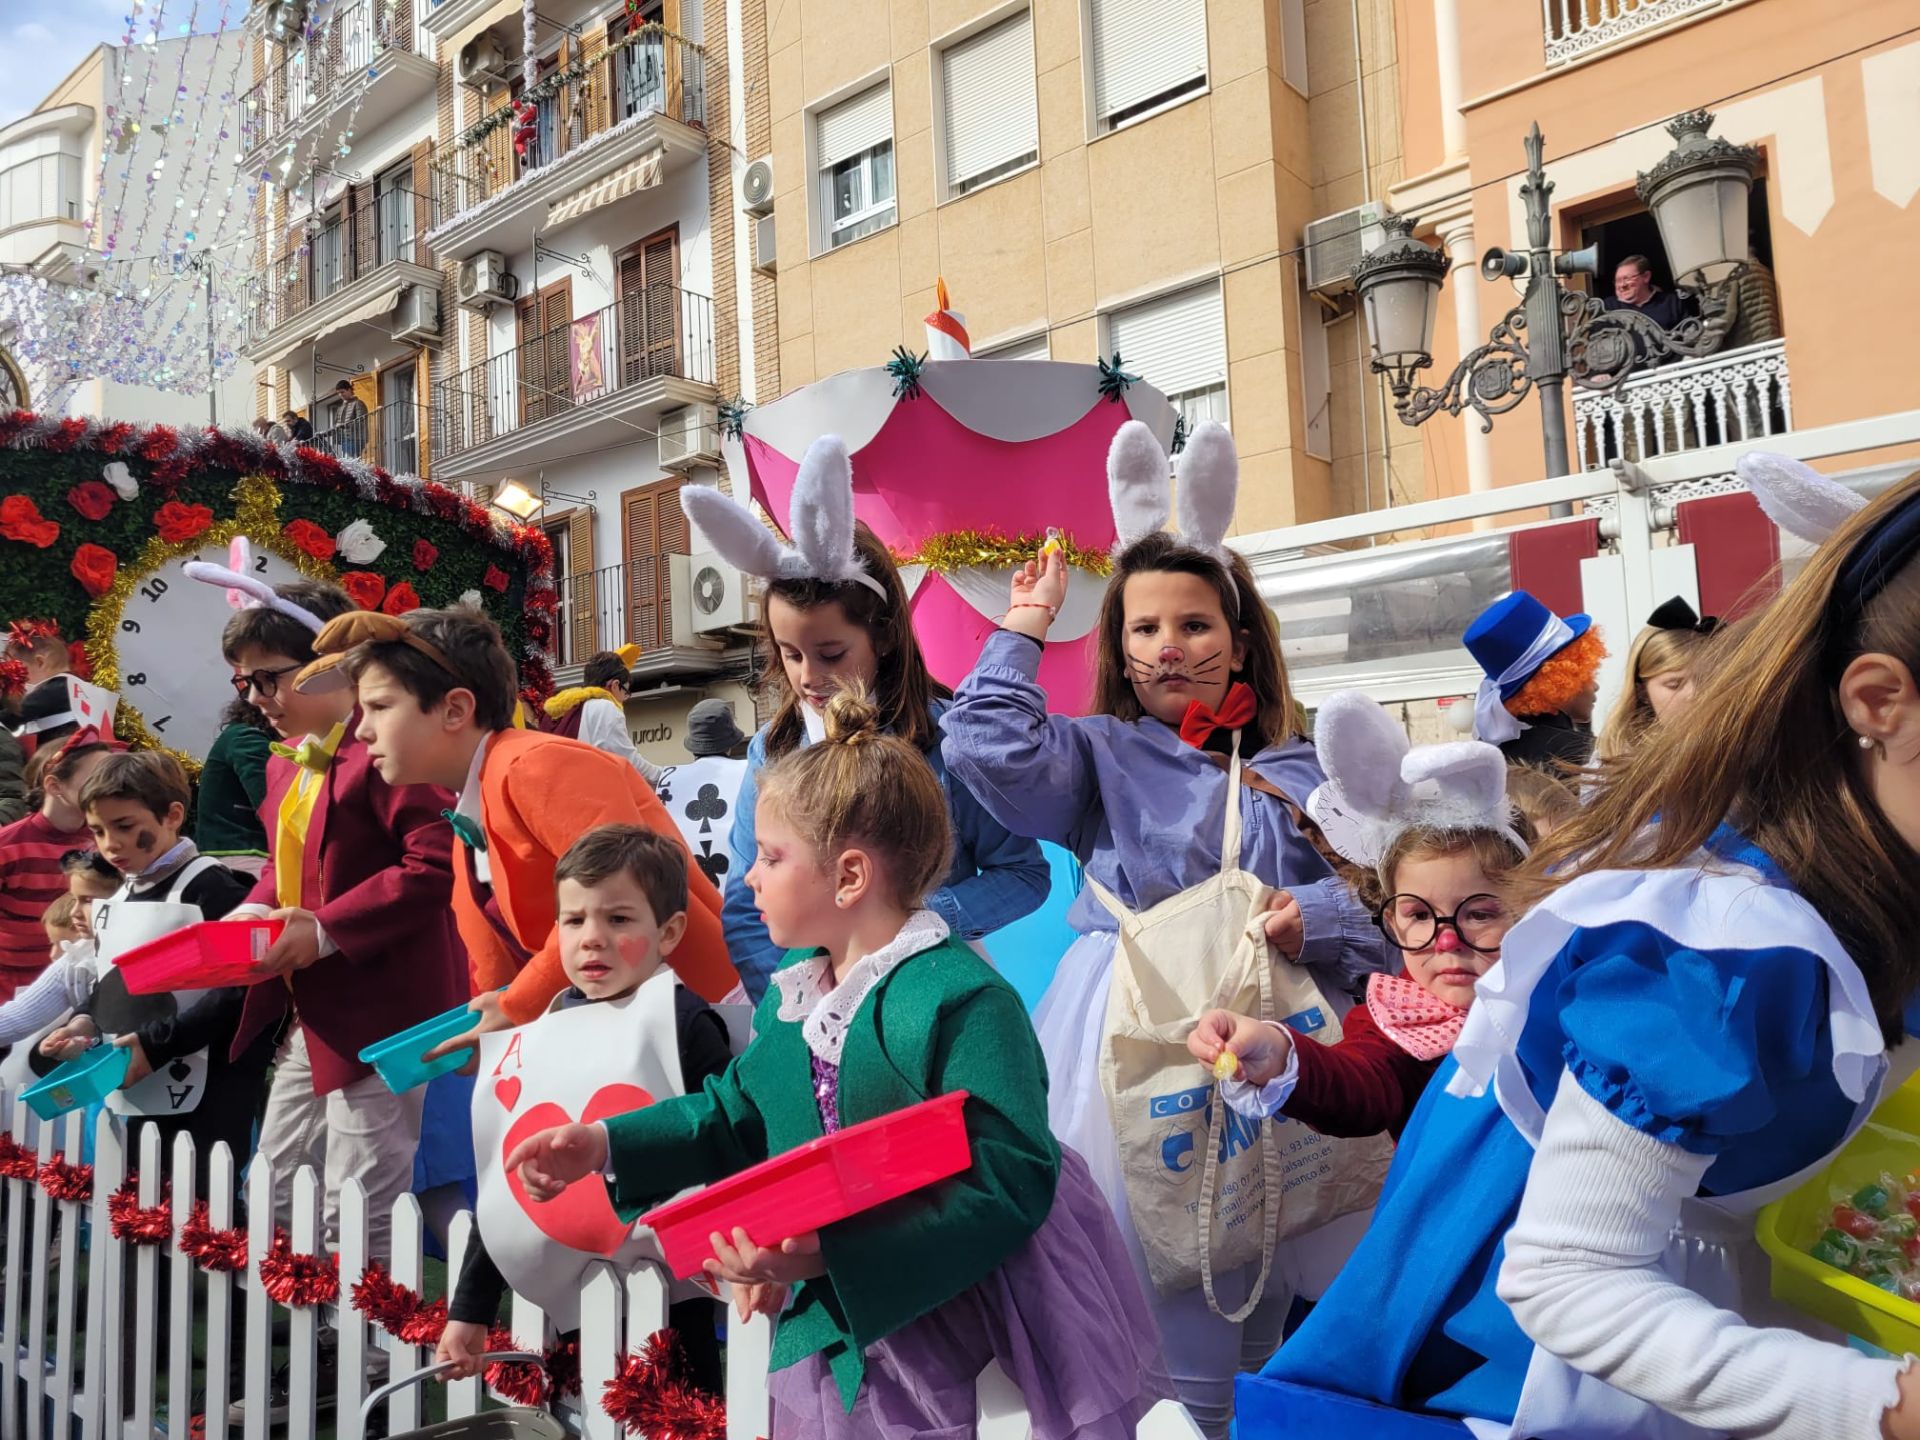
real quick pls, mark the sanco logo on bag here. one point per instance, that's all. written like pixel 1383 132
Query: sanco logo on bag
pixel 1181 1142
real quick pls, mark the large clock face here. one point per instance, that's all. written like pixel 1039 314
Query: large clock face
pixel 171 669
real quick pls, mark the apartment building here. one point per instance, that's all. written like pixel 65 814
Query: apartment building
pixel 516 245
pixel 125 335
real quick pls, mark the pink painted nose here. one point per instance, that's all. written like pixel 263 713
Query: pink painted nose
pixel 1171 653
pixel 1446 941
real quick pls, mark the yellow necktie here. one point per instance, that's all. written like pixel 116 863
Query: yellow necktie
pixel 296 810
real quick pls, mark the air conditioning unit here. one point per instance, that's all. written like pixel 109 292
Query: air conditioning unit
pixel 485 281
pixel 764 245
pixel 1335 243
pixel 417 316
pixel 708 598
pixel 483 61
pixel 756 187
pixel 689 436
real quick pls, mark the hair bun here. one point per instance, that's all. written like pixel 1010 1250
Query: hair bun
pixel 851 716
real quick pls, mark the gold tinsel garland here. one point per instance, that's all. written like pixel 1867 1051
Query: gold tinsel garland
pixel 257 516
pixel 960 549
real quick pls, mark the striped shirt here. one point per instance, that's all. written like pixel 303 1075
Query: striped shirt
pixel 30 880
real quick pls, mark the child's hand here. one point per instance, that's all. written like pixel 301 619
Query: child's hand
pixel 1038 591
pixel 741 1262
pixel 489 1015
pixel 1286 930
pixel 138 1066
pixel 1263 1049
pixel 462 1344
pixel 298 945
pixel 554 1159
pixel 71 1040
pixel 752 1300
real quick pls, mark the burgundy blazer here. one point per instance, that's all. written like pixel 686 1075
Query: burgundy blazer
pixel 378 873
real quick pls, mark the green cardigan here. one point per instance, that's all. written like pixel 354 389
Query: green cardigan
pixel 939 1021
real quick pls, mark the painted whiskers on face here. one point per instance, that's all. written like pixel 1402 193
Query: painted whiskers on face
pixel 1207 670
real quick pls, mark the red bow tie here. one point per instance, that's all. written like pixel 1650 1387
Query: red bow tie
pixel 1236 712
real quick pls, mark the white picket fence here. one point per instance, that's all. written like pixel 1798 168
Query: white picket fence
pixel 81 1375
pixel 78 1387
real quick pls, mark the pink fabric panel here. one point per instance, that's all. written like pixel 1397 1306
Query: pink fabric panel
pixel 951 633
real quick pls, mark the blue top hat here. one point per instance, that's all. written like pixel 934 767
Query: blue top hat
pixel 1503 635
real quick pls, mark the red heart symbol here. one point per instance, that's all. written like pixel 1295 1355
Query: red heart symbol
pixel 507 1092
pixel 583 1217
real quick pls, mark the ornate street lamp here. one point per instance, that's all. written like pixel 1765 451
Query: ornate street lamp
pixel 1698 195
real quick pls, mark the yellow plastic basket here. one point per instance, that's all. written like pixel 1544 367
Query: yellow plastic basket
pixel 1787 1228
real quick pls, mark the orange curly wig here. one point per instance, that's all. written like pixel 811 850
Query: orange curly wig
pixel 1564 675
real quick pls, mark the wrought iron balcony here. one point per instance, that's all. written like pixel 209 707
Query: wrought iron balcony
pixel 389 436
pixel 1737 395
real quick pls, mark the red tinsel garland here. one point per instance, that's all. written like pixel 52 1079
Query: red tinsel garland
pixel 62 1181
pixel 218 1252
pixel 16 1161
pixel 299 1282
pixel 401 1312
pixel 651 1395
pixel 522 1382
pixel 130 1223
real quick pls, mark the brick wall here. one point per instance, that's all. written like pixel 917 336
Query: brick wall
pixel 766 316
pixel 720 203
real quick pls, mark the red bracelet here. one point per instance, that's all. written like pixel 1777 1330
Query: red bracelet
pixel 1052 612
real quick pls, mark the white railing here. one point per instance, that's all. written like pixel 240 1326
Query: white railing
pixel 1575 28
pixel 64 1363
pixel 1740 394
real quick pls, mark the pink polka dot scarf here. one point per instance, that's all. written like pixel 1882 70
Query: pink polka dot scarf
pixel 1418 1021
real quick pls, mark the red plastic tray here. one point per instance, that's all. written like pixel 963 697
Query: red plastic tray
pixel 822 1181
pixel 200 957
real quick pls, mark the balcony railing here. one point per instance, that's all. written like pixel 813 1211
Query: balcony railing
pixel 606 608
pixel 388 436
pixel 379 228
pixel 1575 28
pixel 654 72
pixel 1739 395
pixel 649 334
pixel 342 50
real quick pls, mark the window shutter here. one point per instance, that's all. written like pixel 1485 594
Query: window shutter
pixel 854 125
pixel 1145 48
pixel 420 181
pixel 582 603
pixel 991 112
pixel 1177 343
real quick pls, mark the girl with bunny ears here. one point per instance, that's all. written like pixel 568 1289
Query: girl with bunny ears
pixel 1693 1016
pixel 1435 823
pixel 836 614
pixel 1191 692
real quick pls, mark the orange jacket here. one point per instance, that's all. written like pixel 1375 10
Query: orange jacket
pixel 539 793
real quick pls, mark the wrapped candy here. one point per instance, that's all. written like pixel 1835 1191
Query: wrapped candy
pixel 1226 1066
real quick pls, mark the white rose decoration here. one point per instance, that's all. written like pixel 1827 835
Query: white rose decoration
pixel 472 597
pixel 358 545
pixel 121 479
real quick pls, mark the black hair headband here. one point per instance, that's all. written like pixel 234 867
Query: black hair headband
pixel 1677 614
pixel 1883 552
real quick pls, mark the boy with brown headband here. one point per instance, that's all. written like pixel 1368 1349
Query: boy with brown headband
pixel 436 693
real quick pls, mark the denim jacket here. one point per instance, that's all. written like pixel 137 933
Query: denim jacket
pixel 997 877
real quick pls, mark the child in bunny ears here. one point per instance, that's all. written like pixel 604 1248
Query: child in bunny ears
pixel 836 614
pixel 1692 1017
pixel 1436 825
pixel 1190 684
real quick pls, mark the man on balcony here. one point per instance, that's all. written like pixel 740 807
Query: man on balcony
pixel 1633 289
pixel 351 428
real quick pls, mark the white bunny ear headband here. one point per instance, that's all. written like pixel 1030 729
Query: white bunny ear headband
pixel 822 522
pixel 1138 486
pixel 1379 785
pixel 246 591
pixel 1796 497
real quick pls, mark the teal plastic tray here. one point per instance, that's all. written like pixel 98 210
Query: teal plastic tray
pixel 79 1082
pixel 399 1059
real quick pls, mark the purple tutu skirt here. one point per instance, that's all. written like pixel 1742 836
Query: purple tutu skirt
pixel 1064 1316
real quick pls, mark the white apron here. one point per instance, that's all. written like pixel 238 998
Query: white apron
pixel 1712 1250
pixel 585 1063
pixel 121 924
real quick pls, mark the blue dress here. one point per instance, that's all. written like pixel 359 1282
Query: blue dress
pixel 997 877
pixel 1757 1049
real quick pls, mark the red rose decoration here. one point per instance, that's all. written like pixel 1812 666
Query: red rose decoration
pixel 310 538
pixel 366 588
pixel 77 660
pixel 20 519
pixel 91 498
pixel 94 566
pixel 496 579
pixel 424 554
pixel 177 522
pixel 401 598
